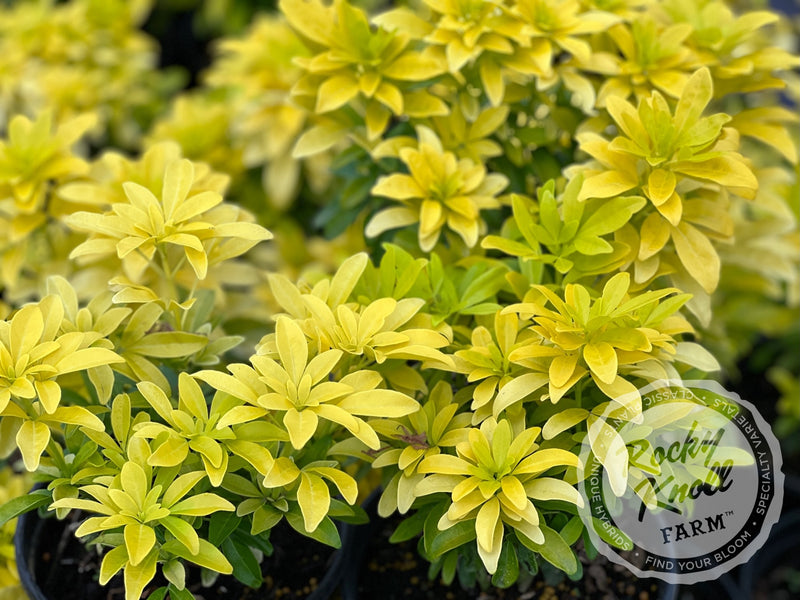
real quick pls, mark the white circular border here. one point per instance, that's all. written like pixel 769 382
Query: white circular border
pixel 773 512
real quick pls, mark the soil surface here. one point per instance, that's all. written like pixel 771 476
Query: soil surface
pixel 68 571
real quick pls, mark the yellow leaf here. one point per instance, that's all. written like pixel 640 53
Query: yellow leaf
pixel 404 20
pixel 407 490
pixel 492 79
pixel 255 454
pixel 318 139
pixel 542 460
pixel 654 235
pixel 310 21
pixel 75 415
pixel 26 329
pixel 694 98
pixel 622 392
pixel 626 117
pixel 191 397
pixel 170 453
pixel 49 393
pixel 227 384
pixel 420 104
pixel 514 491
pixel 346 278
pixel 672 209
pixel 379 403
pixel 201 505
pixel 180 487
pixel 660 186
pixel 390 96
pixel 292 348
pixel 335 92
pixel 414 66
pixel 138 576
pixel 113 561
pixel 398 187
pixel 486 522
pixel 601 358
pixel 156 397
pixel 694 354
pixel 134 482
pixel 697 255
pixel 550 488
pixel 376 118
pixel 562 369
pixel 390 218
pixel 167 344
pixel 314 500
pixel 346 484
pixel 301 425
pixel 728 170
pixel 490 558
pixel 610 449
pixel 183 532
pixel 32 439
pixel 444 464
pixel 563 420
pixel 517 389
pixel 139 540
pixel 178 179
pixel 606 185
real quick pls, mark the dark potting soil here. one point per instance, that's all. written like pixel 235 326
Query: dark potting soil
pixel 395 572
pixel 67 570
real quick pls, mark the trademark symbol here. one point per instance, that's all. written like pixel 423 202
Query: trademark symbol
pixel 728 513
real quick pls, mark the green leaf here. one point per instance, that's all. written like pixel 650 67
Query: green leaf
pixel 524 220
pixel 453 537
pixel 176 594
pixel 571 532
pixel 17 506
pixel 245 566
pixel 175 573
pixel 209 556
pixel 485 285
pixel 409 528
pixel 611 215
pixel 221 525
pixel 431 529
pixel 507 567
pixel 449 565
pixel 591 245
pixel 611 535
pixel 159 594
pixel 257 542
pixel 554 549
pixel 325 532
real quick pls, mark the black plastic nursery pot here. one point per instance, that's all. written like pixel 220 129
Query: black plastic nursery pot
pixel 377 568
pixel 54 565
